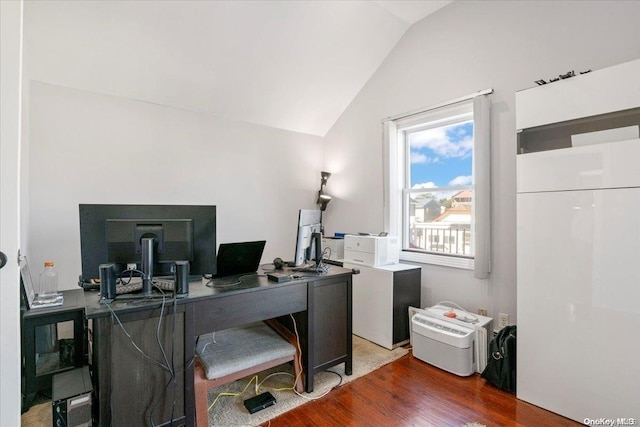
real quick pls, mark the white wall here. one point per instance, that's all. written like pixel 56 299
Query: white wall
pixel 89 148
pixel 465 47
pixel 93 148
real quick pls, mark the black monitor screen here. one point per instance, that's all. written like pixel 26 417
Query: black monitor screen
pixel 113 234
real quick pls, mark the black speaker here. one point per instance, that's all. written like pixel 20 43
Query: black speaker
pixel 182 279
pixel 108 281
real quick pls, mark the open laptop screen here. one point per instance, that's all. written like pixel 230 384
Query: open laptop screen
pixel 239 258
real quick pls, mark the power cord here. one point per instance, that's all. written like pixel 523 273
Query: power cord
pixel 223 285
pixel 326 392
pixel 320 268
pixel 117 319
pixel 256 378
pixel 473 317
pixel 267 269
pixel 131 276
pixel 172 378
pixel 61 421
pixel 167 366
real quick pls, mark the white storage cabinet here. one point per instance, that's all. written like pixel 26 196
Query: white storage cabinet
pixel 381 300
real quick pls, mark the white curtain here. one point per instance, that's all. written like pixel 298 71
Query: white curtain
pixel 482 185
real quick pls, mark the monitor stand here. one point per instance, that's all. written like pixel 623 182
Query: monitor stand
pixel 316 241
pixel 147 266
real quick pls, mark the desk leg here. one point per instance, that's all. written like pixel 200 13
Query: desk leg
pixel 189 354
pixel 309 325
pixel 30 388
pixel 328 332
pixel 101 368
pixel 28 354
pixel 348 364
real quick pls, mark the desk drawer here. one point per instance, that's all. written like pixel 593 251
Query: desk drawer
pixel 221 312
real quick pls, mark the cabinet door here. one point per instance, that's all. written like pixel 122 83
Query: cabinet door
pixel 372 305
pixel 578 293
pixel 330 334
pixel 406 293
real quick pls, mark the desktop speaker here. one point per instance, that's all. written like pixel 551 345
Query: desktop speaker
pixel 182 279
pixel 107 281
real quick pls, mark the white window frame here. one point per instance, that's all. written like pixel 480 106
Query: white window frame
pixel 396 205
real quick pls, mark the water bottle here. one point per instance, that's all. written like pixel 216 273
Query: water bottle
pixel 48 282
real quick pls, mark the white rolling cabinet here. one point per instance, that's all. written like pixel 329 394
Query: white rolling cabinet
pixel 578 246
pixel 381 298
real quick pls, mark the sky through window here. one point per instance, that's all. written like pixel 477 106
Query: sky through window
pixel 442 156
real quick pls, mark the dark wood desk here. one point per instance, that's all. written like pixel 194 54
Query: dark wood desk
pixel 132 389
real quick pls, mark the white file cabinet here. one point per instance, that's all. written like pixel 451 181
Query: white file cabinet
pixel 381 298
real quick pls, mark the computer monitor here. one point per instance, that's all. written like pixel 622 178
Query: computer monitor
pixel 129 234
pixel 308 241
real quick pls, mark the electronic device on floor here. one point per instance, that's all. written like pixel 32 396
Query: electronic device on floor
pixel 259 402
pixel 71 395
pixel 451 338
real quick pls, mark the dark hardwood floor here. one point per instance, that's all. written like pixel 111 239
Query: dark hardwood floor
pixel 409 392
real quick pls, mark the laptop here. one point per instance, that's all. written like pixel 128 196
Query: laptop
pixel 239 258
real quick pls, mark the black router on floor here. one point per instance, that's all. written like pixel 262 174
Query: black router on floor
pixel 259 402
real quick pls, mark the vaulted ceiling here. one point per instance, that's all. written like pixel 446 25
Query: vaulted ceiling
pixel 293 65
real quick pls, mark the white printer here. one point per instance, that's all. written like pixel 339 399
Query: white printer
pixel 450 338
pixel 371 251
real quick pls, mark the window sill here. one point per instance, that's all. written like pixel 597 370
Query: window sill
pixel 445 261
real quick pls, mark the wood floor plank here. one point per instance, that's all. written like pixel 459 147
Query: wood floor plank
pixel 410 392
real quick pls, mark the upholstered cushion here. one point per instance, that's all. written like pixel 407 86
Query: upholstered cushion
pixel 232 350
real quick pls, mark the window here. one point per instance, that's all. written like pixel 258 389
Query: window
pixel 437 184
